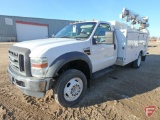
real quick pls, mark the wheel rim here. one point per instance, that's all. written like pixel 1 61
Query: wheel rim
pixel 73 89
pixel 139 60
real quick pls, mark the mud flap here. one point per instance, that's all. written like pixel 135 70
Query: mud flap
pixel 143 58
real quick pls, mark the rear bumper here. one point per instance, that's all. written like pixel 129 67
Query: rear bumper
pixel 31 86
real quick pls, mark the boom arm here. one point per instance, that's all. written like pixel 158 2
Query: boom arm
pixel 134 18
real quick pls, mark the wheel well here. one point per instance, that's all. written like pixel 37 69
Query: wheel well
pixel 79 65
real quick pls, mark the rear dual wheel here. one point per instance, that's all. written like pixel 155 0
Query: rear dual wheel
pixel 70 87
pixel 137 63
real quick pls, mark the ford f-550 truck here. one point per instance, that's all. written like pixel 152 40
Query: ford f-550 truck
pixel 69 61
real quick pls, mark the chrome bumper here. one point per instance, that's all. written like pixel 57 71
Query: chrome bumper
pixel 31 86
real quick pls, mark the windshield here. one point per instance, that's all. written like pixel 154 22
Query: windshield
pixel 79 30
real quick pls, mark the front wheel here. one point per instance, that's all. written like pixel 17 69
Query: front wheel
pixel 136 64
pixel 70 87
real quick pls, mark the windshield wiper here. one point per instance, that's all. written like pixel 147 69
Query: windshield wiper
pixel 65 37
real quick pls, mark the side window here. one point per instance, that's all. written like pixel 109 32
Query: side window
pixel 103 34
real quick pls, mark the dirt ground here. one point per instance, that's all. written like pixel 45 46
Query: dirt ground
pixel 120 95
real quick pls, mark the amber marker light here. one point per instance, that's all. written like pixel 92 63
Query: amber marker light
pixel 43 65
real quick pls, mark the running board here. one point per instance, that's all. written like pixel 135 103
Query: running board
pixel 100 73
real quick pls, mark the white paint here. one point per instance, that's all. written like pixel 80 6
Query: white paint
pixel 103 56
pixel 52 48
pixel 135 41
pixel 31 32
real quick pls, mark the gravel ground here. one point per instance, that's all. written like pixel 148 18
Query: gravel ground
pixel 120 95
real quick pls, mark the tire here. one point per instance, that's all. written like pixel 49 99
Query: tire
pixel 70 88
pixel 137 63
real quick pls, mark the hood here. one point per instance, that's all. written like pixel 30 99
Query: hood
pixel 56 46
pixel 32 44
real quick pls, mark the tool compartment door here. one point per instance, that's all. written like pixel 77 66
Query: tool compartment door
pixel 142 43
pixel 131 47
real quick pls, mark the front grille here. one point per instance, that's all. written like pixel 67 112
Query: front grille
pixel 16 61
pixel 13 71
pixel 19 60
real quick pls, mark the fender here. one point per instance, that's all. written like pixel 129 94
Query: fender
pixel 65 58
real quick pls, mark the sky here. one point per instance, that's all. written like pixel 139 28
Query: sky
pixel 105 10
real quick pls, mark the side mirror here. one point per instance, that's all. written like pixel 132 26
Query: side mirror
pixel 107 39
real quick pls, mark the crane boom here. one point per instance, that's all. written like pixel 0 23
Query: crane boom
pixel 134 18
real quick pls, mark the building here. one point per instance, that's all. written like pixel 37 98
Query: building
pixel 14 28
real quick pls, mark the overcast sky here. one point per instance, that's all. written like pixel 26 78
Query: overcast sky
pixel 105 10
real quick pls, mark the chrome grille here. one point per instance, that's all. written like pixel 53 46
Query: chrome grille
pixel 15 61
pixel 19 60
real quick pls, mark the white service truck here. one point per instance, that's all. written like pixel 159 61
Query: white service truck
pixel 80 51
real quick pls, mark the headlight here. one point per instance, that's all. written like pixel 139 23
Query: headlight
pixel 39 66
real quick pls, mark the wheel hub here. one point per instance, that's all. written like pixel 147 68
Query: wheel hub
pixel 75 90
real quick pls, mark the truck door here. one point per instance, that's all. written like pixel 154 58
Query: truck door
pixel 103 53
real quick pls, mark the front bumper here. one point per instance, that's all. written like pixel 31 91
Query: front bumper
pixel 31 86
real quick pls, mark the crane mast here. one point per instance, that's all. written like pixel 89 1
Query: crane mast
pixel 134 18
